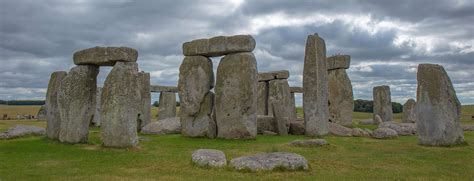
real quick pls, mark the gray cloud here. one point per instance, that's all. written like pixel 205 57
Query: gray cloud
pixel 386 39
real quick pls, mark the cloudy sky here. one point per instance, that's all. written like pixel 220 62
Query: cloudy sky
pixel 386 39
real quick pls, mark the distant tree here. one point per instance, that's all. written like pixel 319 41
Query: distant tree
pixel 361 105
pixel 397 107
pixel 155 104
pixel 24 102
pixel 177 103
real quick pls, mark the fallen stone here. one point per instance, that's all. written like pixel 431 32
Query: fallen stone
pixel 267 76
pixel 22 131
pixel 310 142
pixel 269 133
pixel 76 101
pixel 358 132
pixel 159 88
pixel 163 126
pixel 270 161
pixel 145 107
pixel 438 109
pixel 53 117
pixel 338 62
pixel 236 96
pixel 408 115
pixel 105 56
pixel 297 127
pixel 167 105
pixel 338 130
pixel 219 46
pixel 467 127
pixel 265 123
pixel 384 133
pixel 209 158
pixel 315 87
pixel 403 129
pixel 120 106
pixel 383 103
pixel 341 102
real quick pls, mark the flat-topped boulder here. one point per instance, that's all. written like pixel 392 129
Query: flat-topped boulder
pixel 267 76
pixel 270 161
pixel 209 158
pixel 22 131
pixel 338 62
pixel 219 46
pixel 160 88
pixel 163 126
pixel 403 129
pixel 296 89
pixel 309 143
pixel 105 56
pixel 384 133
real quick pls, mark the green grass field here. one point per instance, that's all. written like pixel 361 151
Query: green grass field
pixel 168 158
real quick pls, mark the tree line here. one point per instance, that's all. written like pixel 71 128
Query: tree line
pixel 22 102
pixel 361 105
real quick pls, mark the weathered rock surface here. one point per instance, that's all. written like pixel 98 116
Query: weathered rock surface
pixel 315 87
pixel 408 115
pixel 236 96
pixel 341 102
pixel 437 108
pixel 265 123
pixel 357 132
pixel 366 122
pixel 297 127
pixel 96 118
pixel 270 161
pixel 120 106
pixel 403 129
pixel 145 107
pixel 377 120
pixel 383 103
pixel 267 76
pixel 338 130
pixel 269 133
pixel 296 89
pixel 76 101
pixel 310 142
pixel 220 45
pixel 293 105
pixel 163 126
pixel 209 158
pixel 279 93
pixel 105 56
pixel 384 133
pixel 22 131
pixel 203 124
pixel 196 78
pixel 467 127
pixel 167 105
pixel 160 88
pixel 338 62
pixel 41 115
pixel 262 102
pixel 280 119
pixel 53 116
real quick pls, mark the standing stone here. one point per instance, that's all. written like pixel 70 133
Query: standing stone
pixel 262 108
pixel 145 103
pixel 383 103
pixel 196 78
pixel 280 117
pixel 53 116
pixel 76 100
pixel 293 105
pixel 315 87
pixel 236 96
pixel 120 106
pixel 437 108
pixel 41 115
pixel 408 115
pixel 279 91
pixel 341 98
pixel 96 119
pixel 167 105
